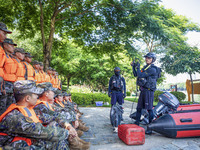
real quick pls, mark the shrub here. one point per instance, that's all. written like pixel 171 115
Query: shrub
pixel 89 98
pixel 179 95
pixel 128 93
pixel 156 94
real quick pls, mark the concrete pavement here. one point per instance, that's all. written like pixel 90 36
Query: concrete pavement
pixel 102 137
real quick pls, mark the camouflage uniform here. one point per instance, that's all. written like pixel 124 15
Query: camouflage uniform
pixel 47 116
pixel 16 124
pixel 64 111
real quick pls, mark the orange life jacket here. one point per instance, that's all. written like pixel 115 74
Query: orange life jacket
pixel 10 69
pixel 2 60
pixel 56 81
pixel 61 104
pixel 37 77
pixel 20 70
pixel 26 112
pixel 48 79
pixel 45 103
pixel 30 71
pixel 53 81
pixel 42 76
pixel 59 84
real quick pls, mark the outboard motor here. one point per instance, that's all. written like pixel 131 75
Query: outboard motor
pixel 168 103
pixel 116 115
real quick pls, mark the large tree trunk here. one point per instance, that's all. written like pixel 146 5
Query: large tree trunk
pixel 68 81
pixel 191 80
pixel 48 48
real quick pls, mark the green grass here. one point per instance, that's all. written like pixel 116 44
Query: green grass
pixel 132 99
pixel 135 99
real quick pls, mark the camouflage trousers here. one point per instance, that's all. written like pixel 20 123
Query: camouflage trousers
pixel 39 145
pixel 5 102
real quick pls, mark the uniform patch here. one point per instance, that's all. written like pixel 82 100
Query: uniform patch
pixel 29 120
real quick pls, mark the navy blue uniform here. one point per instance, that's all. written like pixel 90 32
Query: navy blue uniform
pixel 117 94
pixel 147 90
pixel 147 78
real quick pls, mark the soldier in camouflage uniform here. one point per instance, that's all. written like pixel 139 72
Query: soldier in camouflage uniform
pixel 3 32
pixel 48 116
pixel 69 103
pixel 60 107
pixel 9 74
pixel 20 126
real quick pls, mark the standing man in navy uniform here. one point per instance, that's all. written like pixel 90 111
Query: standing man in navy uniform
pixel 147 80
pixel 117 92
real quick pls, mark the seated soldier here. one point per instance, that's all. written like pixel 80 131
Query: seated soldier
pixel 48 75
pixel 59 86
pixel 20 126
pixel 44 110
pixel 37 75
pixel 68 102
pixel 30 69
pixel 19 57
pixel 41 72
pixel 59 106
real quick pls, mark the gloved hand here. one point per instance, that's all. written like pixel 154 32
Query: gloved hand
pixel 124 95
pixel 109 94
pixel 133 64
pixel 137 65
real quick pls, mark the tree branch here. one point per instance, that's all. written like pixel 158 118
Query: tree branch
pixel 88 10
pixel 151 45
pixel 62 8
pixel 147 43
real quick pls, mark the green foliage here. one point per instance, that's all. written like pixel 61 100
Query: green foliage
pixel 108 31
pixel 156 94
pixel 128 93
pixel 179 95
pixel 181 59
pixel 77 67
pixel 89 98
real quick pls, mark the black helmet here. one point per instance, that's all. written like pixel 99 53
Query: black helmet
pixel 117 69
pixel 151 55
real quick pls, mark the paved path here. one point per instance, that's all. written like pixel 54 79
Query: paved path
pixel 102 137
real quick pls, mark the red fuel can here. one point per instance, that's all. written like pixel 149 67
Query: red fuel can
pixel 131 134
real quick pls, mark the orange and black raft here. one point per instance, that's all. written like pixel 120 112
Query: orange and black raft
pixel 178 125
pixel 189 108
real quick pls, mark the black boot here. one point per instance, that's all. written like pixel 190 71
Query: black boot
pixel 122 119
pixel 148 131
pixel 138 115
